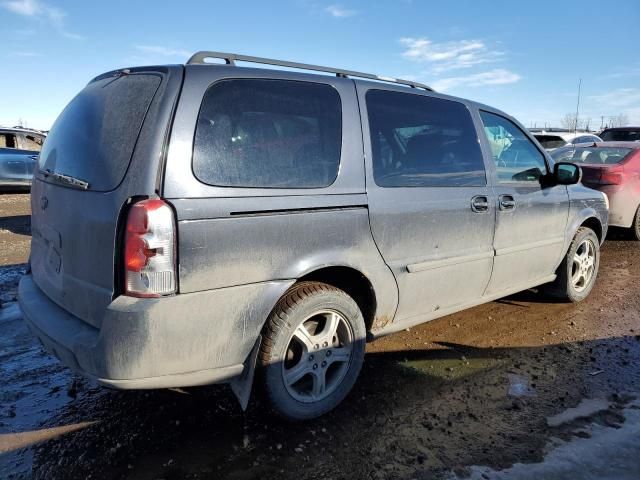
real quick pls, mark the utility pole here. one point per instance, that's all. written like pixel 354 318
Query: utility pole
pixel 575 128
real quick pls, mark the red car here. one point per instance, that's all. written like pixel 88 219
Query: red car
pixel 612 168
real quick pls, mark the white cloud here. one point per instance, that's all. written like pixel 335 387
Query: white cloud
pixel 23 54
pixel 498 76
pixel 449 55
pixel 161 51
pixel 634 115
pixel 443 58
pixel 623 73
pixel 157 54
pixel 43 12
pixel 620 100
pixel 22 7
pixel 339 11
pixel 71 35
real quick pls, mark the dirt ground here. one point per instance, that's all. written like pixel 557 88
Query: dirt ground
pixel 15 223
pixel 471 395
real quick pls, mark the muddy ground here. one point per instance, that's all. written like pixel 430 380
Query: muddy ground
pixel 15 224
pixel 476 394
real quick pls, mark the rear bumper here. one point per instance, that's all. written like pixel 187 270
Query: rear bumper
pixel 623 204
pixel 185 340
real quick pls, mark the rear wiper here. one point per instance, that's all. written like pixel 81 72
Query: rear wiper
pixel 66 179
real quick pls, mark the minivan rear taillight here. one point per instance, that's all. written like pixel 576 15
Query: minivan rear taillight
pixel 149 251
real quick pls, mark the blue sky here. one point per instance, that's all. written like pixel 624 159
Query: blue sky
pixel 523 57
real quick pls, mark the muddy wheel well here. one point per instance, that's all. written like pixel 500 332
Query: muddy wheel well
pixel 595 225
pixel 354 283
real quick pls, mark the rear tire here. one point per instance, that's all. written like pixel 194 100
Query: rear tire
pixel 577 273
pixel 312 350
pixel 635 227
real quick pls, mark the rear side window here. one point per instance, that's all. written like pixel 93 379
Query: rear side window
pixel 268 134
pixel 32 143
pixel 8 140
pixel 94 137
pixel 421 141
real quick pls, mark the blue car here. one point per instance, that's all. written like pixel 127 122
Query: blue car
pixel 19 150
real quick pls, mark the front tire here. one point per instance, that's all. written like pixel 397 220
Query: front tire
pixel 577 273
pixel 312 350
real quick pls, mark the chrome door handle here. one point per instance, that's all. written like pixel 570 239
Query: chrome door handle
pixel 506 202
pixel 480 203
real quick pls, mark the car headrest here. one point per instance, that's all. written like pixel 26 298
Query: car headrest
pixel 593 157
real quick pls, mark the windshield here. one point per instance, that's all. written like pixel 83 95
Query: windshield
pixel 591 155
pixel 551 141
pixel 93 138
pixel 621 136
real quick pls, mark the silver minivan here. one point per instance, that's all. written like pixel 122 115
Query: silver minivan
pixel 194 224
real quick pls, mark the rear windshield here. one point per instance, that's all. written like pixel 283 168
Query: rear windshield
pixel 93 138
pixel 591 155
pixel 620 136
pixel 551 141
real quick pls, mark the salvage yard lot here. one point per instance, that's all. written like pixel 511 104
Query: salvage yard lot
pixel 475 388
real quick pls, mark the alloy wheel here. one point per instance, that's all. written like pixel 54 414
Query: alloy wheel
pixel 583 267
pixel 318 356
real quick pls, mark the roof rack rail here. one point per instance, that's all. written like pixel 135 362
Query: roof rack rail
pixel 231 58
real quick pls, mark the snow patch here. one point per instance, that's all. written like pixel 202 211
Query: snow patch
pixel 586 408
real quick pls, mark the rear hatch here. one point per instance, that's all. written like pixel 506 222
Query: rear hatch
pixel 83 179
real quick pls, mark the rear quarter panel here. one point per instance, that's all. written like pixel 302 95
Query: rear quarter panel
pixel 585 203
pixel 231 236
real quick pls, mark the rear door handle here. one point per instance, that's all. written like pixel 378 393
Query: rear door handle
pixel 480 204
pixel 506 202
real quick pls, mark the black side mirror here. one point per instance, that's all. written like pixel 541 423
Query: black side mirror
pixel 565 173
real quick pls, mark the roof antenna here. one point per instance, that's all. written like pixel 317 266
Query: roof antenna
pixel 575 125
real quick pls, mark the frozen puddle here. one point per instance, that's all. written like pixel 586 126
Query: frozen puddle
pixel 9 312
pixel 11 273
pixel 609 454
